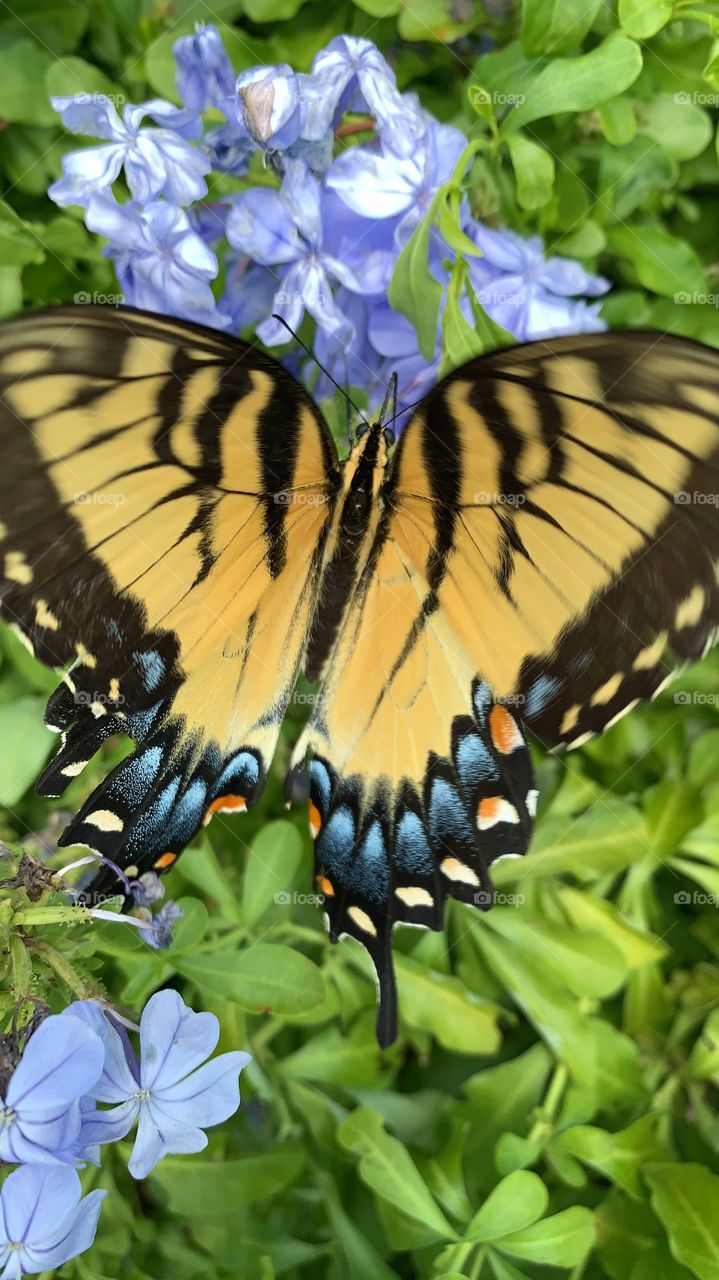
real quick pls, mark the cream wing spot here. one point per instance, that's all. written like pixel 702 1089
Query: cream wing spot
pixel 362 920
pixel 44 617
pixel 453 869
pixel 105 820
pixel 413 896
pixel 17 568
pixel 690 610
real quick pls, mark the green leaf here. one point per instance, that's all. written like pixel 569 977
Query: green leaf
pixel 589 965
pixel 388 1169
pixel 57 25
pixel 26 744
pixel 10 291
pixel 555 26
pixel 560 1241
pixel 619 122
pixel 19 243
pixel 442 1005
pixel 703 756
pixel 578 84
pixel 22 65
pixel 661 261
pixel 266 978
pixel 680 128
pixel 203 1188
pixel 514 1204
pixel 619 1156
pixel 673 808
pixel 533 171
pixel 594 915
pixel 643 18
pixel 413 290
pixel 685 1197
pixel 73 75
pixel 275 855
pixel 353 1060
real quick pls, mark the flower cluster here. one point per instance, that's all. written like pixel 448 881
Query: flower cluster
pixel 50 1121
pixel 345 168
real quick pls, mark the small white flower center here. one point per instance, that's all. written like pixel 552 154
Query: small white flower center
pixel 142 1095
pixel 7 1116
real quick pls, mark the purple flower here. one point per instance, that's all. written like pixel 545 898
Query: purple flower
pixel 161 262
pixel 43 1220
pixel 286 228
pixel 351 74
pixel 204 71
pixel 171 1095
pixel 40 1117
pixel 527 293
pixel 381 184
pixel 155 161
pixel 160 926
pixel 147 888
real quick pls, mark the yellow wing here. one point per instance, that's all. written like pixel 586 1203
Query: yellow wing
pixel 164 499
pixel 534 561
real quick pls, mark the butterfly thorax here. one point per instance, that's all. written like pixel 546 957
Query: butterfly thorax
pixel 351 537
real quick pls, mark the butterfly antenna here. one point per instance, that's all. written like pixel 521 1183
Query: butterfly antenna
pixel 390 395
pixel 326 372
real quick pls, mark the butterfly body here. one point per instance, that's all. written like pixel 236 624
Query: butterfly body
pixel 537 553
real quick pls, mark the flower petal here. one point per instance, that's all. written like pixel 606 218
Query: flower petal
pixel 376 186
pixel 209 1095
pixel 174 1040
pixel 62 1060
pixel 159 1135
pixel 91 114
pixel 258 224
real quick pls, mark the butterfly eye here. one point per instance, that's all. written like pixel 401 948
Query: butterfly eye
pixel 361 431
pixel 389 437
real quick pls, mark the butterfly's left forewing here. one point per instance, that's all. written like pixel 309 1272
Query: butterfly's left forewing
pixel 165 500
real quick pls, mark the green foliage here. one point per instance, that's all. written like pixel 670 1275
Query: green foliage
pixel 550 1108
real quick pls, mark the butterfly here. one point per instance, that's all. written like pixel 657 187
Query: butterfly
pixel 535 555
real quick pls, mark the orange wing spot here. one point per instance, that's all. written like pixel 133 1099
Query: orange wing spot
pixel 504 731
pixel 225 804
pixel 165 860
pixel 315 819
pixel 325 886
pixel 489 808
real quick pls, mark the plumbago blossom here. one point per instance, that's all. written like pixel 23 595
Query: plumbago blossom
pixel 346 167
pixel 54 1114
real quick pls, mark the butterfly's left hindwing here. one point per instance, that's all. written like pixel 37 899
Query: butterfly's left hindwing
pixel 165 498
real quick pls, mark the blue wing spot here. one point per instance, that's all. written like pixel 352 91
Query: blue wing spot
pixel 412 854
pixel 540 694
pixel 152 667
pixel 447 816
pixel 321 779
pixel 482 701
pixel 336 841
pixel 369 875
pixel 243 768
pixel 188 813
pixel 474 762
